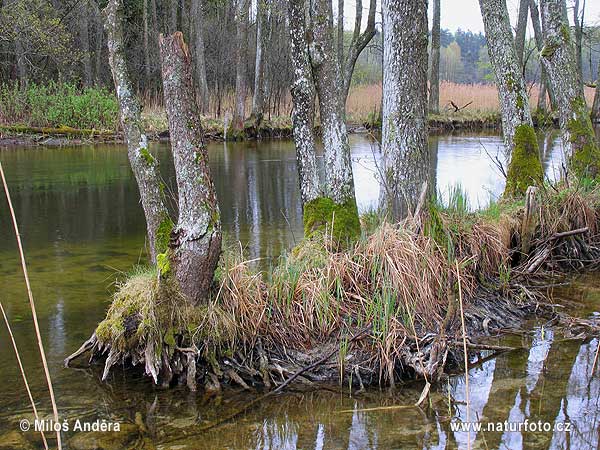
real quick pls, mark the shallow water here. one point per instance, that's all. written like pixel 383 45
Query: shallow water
pixel 82 226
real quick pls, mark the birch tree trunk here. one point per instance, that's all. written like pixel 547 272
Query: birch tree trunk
pixel 196 239
pixel 434 70
pixel 241 21
pixel 303 98
pixel 339 206
pixel 404 123
pixel 558 56
pixel 199 59
pixel 521 30
pixel 143 164
pixel 84 41
pixel 258 99
pixel 521 144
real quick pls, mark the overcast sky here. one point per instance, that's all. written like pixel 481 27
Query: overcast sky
pixel 465 14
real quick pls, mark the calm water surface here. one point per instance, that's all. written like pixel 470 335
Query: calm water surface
pixel 82 227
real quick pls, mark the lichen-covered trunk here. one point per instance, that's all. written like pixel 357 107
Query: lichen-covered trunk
pixel 545 87
pixel 303 98
pixel 199 59
pixel 434 68
pixel 340 208
pixel 84 41
pixel 521 29
pixel 241 22
pixel 404 120
pixel 521 144
pixel 258 99
pixel 143 164
pixel 558 56
pixel 195 244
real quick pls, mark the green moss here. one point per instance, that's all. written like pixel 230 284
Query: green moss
pixel 163 234
pixel 525 167
pixel 144 153
pixel 565 33
pixel 585 160
pixel 163 263
pixel 321 212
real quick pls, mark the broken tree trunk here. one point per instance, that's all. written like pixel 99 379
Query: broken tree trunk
pixel 143 164
pixel 195 244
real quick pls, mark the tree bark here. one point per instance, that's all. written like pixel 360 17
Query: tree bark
pixel 147 70
pixel 199 59
pixel 303 98
pixel 339 206
pixel 258 99
pixel 173 13
pixel 357 45
pixel 539 43
pixel 434 71
pixel 241 21
pixel 519 137
pixel 521 30
pixel 558 56
pixel 196 239
pixel 578 26
pixel 143 164
pixel 84 42
pixel 404 124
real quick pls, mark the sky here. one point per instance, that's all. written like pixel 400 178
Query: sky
pixel 465 14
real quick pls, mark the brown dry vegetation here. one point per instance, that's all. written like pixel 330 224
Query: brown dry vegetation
pixel 387 306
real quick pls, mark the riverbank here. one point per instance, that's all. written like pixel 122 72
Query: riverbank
pixel 389 308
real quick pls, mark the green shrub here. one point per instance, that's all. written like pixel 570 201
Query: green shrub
pixel 54 104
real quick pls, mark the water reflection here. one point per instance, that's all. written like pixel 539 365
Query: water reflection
pixel 82 227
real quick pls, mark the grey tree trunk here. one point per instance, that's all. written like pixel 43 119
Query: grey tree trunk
pixel 99 45
pixel 143 164
pixel 196 239
pixel 404 123
pixel 357 45
pixel 340 34
pixel 303 98
pixel 521 30
pixel 519 137
pixel 558 56
pixel 84 41
pixel 199 60
pixel 258 99
pixel 578 22
pixel 173 12
pixel 434 69
pixel 22 72
pixel 241 21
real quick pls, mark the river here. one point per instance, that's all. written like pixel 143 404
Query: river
pixel 83 229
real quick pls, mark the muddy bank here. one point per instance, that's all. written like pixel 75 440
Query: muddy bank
pixel 390 308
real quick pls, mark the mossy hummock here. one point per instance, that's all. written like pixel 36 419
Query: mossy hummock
pixel 322 214
pixel 525 168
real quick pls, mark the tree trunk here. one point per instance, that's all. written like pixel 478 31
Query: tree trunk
pixel 578 26
pixel 99 45
pixel 434 72
pixel 241 22
pixel 404 131
pixel 199 60
pixel 143 164
pixel 521 31
pixel 196 239
pixel 357 45
pixel 22 72
pixel 339 207
pixel 147 70
pixel 258 99
pixel 303 98
pixel 84 42
pixel 173 13
pixel 558 56
pixel 519 137
pixel 539 43
pixel 596 105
